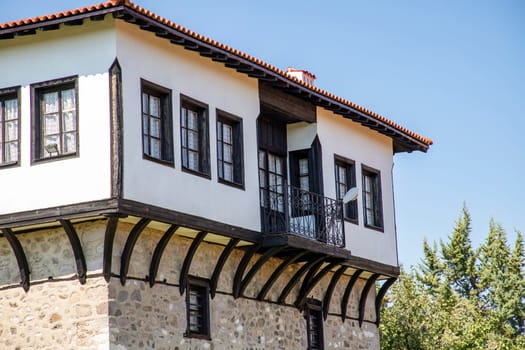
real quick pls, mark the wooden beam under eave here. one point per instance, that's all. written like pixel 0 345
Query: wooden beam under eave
pixel 128 248
pixel 348 290
pixel 80 259
pixel 220 264
pixel 185 270
pixel 237 279
pixel 364 294
pixel 295 278
pixel 18 250
pixel 157 254
pixel 330 290
pixel 380 295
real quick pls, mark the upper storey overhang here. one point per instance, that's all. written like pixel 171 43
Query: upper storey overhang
pixel 403 139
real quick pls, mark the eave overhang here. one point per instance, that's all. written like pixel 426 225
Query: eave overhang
pixel 403 140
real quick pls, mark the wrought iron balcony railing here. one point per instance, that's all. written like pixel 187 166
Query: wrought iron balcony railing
pixel 288 209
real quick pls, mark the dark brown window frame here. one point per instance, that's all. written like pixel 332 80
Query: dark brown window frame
pixel 238 150
pixel 204 166
pixel 166 122
pixel 350 182
pixel 377 203
pixel 9 94
pixel 314 313
pixel 202 285
pixel 37 89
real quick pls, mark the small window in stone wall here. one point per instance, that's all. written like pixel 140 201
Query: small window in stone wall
pixel 198 308
pixel 314 325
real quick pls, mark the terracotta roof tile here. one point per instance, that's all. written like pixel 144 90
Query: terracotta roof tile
pixel 202 38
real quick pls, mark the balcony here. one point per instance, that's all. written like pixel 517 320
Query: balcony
pixel 290 210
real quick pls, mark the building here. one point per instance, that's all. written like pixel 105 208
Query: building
pixel 161 190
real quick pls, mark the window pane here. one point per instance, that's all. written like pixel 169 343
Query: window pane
pixel 262 160
pixel 51 102
pixel 146 145
pixel 51 124
pixel 304 183
pixel 228 153
pixel 68 100
pixel 192 120
pixel 145 103
pixel 303 166
pixel 228 172
pixel 278 165
pixel 155 127
pixel 219 151
pixel 11 109
pixel 193 160
pixel 193 140
pixel 70 142
pixel 154 105
pixel 11 130
pixel 11 152
pixel 145 124
pixel 184 116
pixel 155 148
pixel 219 131
pixel 227 133
pixel 69 122
pixel 271 163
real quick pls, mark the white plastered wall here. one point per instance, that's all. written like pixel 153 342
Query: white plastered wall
pixel 143 55
pixel 366 147
pixel 86 51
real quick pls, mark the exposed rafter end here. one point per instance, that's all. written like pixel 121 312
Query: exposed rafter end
pixel 364 294
pixel 80 260
pixel 76 22
pixel 128 248
pixel 184 272
pixel 157 254
pixel 380 295
pixel 237 279
pixel 20 256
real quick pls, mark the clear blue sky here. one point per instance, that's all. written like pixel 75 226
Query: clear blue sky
pixel 453 71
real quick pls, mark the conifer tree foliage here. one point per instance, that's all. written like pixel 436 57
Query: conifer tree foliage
pixel 460 296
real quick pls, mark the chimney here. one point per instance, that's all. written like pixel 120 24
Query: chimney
pixel 303 75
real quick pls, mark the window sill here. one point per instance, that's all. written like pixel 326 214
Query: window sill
pixel 197 173
pixel 9 165
pixel 231 184
pixel 54 158
pixel 160 161
pixel 375 228
pixel 351 221
pixel 196 335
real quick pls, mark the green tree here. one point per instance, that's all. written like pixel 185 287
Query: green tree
pixel 460 297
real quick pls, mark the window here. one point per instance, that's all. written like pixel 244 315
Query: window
pixel 55 118
pixel 314 325
pixel 157 134
pixel 271 181
pixel 345 180
pixel 372 205
pixel 194 137
pixel 229 149
pixel 197 308
pixel 9 127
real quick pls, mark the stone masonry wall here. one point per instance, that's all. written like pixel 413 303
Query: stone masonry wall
pixel 60 313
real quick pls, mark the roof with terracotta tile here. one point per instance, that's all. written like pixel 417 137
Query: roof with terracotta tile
pixel 10 29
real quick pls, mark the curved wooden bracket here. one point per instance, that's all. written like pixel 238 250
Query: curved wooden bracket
pixel 128 248
pixel 109 237
pixel 380 295
pixel 21 259
pixel 183 278
pixel 80 260
pixel 348 290
pixel 278 271
pixel 237 279
pixel 309 276
pixel 295 278
pixel 364 293
pixel 157 254
pixel 328 295
pixel 220 264
pixel 301 298
pixel 251 273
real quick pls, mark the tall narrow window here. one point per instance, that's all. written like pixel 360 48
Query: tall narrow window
pixel 345 180
pixel 55 118
pixel 194 137
pixel 157 131
pixel 229 149
pixel 314 325
pixel 9 127
pixel 197 308
pixel 271 181
pixel 372 206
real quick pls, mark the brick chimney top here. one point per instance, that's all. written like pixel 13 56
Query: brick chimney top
pixel 301 74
